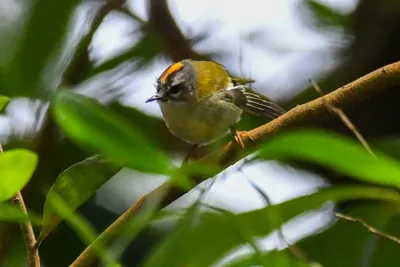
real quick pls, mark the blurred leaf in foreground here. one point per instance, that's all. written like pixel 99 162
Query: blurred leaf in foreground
pixel 352 241
pixel 16 168
pixel 83 229
pixel 3 102
pixel 11 213
pixel 218 231
pixel 337 152
pixel 76 185
pixel 91 124
pixel 325 16
pixel 273 258
pixel 389 145
pixel 43 32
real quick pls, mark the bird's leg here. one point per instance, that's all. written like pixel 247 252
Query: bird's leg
pixel 240 136
pixel 189 154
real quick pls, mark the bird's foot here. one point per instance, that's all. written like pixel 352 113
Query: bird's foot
pixel 241 137
pixel 189 154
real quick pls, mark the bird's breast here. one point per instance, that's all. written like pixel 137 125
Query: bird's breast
pixel 200 123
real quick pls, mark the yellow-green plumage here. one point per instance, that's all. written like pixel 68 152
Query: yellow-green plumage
pixel 200 121
pixel 211 77
pixel 200 101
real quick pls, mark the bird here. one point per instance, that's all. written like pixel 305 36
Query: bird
pixel 201 102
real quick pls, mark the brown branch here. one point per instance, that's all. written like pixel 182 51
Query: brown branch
pixel 29 235
pixel 80 63
pixel 344 118
pixel 27 231
pixel 370 228
pixel 177 46
pixel 351 93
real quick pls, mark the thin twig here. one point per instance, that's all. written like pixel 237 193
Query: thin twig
pixel 350 94
pixel 293 248
pixel 344 118
pixel 370 228
pixel 357 133
pixel 29 235
pixel 125 10
pixel 27 231
pixel 351 126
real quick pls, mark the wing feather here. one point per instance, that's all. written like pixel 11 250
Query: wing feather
pixel 256 103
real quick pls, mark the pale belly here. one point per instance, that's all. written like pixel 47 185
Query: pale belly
pixel 200 125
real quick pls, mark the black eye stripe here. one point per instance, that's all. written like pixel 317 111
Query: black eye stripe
pixel 175 89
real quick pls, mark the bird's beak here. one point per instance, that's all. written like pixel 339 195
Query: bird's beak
pixel 153 98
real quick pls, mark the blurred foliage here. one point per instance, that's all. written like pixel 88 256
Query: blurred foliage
pixel 10 213
pixel 349 244
pixel 42 34
pixel 17 167
pixel 75 186
pixel 227 232
pixel 274 258
pixel 92 125
pixel 340 154
pixel 60 177
pixel 324 16
pixel 85 231
pixel 3 102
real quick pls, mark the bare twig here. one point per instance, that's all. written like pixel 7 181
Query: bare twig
pixel 293 248
pixel 125 10
pixel 161 21
pixel 368 227
pixel 351 93
pixel 344 118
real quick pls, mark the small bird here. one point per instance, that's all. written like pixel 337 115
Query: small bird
pixel 201 102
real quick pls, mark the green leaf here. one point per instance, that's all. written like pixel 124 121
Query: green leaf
pixel 129 230
pixel 91 124
pixel 11 213
pixel 43 33
pixel 336 152
pixel 85 231
pixel 390 146
pixel 3 102
pixel 16 168
pixel 273 258
pixel 325 16
pixel 352 241
pixel 384 252
pixel 76 185
pixel 218 230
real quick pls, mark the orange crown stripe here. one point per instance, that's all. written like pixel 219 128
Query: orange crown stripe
pixel 169 71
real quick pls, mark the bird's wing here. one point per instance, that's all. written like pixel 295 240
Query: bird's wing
pixel 255 103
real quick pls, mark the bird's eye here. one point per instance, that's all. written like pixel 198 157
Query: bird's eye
pixel 175 90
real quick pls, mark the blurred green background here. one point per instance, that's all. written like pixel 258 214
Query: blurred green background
pixel 114 50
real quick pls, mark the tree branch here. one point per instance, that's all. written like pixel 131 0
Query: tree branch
pixel 80 63
pixel 343 117
pixel 29 235
pixel 351 93
pixel 162 22
pixel 27 230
